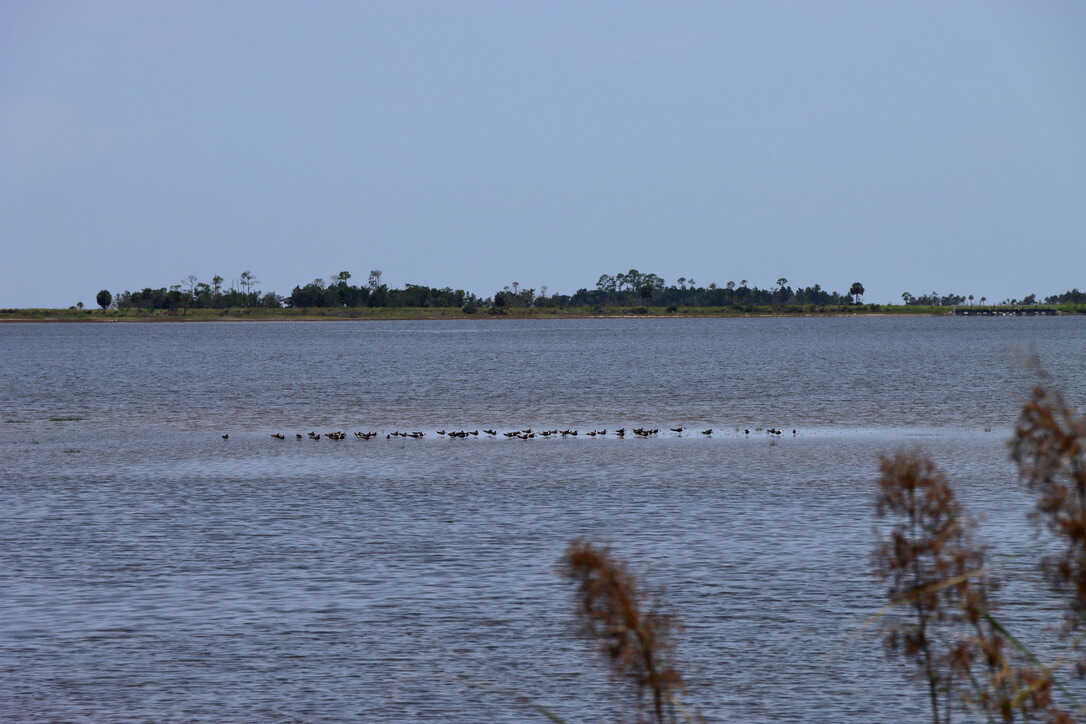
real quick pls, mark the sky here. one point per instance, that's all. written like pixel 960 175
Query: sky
pixel 912 146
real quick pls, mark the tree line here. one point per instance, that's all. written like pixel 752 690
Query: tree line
pixel 191 293
pixel 934 299
pixel 633 287
pixel 339 292
pixel 627 289
pixel 623 289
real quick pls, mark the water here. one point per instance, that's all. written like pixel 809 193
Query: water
pixel 152 570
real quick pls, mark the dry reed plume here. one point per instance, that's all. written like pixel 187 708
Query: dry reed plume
pixel 1049 446
pixel 936 569
pixel 638 642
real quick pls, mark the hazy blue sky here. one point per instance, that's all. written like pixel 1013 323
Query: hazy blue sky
pixel 913 146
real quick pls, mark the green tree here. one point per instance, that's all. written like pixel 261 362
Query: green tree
pixel 248 281
pixel 104 299
pixel 856 290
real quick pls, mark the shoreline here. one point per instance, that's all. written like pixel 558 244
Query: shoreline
pixel 66 317
pixel 378 314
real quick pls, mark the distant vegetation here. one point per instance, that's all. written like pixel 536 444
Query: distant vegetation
pixel 630 292
pixel 934 299
pixel 634 288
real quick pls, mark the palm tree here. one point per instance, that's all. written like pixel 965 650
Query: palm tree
pixel 248 281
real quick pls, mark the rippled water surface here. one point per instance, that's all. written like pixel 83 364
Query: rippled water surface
pixel 151 569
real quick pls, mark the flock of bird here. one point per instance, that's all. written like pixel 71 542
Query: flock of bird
pixel 525 434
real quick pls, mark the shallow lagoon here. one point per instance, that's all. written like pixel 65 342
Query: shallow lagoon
pixel 155 570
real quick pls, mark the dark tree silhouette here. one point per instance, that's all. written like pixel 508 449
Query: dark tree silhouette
pixel 104 299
